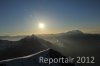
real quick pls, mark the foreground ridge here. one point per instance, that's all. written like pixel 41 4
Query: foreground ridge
pixel 33 59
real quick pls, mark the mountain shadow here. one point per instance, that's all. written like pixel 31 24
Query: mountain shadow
pixel 23 47
pixel 34 59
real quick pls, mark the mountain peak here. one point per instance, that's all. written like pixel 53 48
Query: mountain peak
pixel 75 32
pixel 30 39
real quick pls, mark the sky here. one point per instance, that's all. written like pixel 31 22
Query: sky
pixel 21 17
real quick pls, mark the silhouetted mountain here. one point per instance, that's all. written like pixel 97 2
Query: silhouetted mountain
pixel 25 46
pixel 75 43
pixel 73 32
pixel 34 59
pixel 74 36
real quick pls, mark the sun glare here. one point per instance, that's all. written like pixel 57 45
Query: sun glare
pixel 41 25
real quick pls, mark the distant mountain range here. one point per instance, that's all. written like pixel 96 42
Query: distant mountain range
pixel 73 37
pixel 69 33
pixel 73 43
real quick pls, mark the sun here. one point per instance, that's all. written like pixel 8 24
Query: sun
pixel 41 25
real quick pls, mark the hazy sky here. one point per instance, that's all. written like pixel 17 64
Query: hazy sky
pixel 21 17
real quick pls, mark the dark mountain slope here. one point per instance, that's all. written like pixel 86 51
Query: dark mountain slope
pixel 23 47
pixel 33 60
